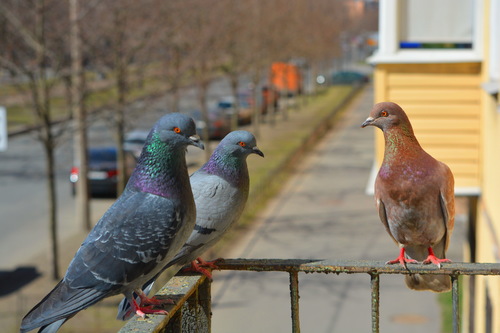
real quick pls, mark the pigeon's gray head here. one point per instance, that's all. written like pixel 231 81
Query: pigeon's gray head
pixel 229 158
pixel 162 162
pixel 387 115
pixel 240 143
pixel 177 129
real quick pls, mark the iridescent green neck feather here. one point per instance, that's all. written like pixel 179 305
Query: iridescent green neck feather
pixel 161 169
pixel 231 167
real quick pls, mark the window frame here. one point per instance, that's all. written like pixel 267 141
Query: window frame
pixel 390 52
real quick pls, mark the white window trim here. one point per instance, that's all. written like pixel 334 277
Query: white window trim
pixel 493 84
pixel 389 51
pixel 494 28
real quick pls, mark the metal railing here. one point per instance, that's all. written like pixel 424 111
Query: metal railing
pixel 192 310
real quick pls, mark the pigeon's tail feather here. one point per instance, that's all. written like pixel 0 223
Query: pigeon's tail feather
pixel 52 328
pixel 62 303
pixel 436 283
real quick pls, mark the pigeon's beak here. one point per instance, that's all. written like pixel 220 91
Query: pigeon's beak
pixel 257 151
pixel 195 141
pixel 367 122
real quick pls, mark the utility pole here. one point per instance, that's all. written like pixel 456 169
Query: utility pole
pixel 79 118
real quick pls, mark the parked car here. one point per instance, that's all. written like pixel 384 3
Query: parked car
pixel 219 123
pixel 103 171
pixel 349 77
pixel 134 141
pixel 246 103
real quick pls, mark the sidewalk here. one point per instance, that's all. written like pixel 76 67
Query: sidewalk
pixel 324 213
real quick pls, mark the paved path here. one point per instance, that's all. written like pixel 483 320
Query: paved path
pixel 324 213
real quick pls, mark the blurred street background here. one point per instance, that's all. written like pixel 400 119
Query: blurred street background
pixel 81 75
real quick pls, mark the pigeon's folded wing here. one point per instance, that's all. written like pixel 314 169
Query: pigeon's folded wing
pixel 129 241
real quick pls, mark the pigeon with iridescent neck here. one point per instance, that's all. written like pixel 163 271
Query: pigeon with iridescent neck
pixel 138 235
pixel 220 189
pixel 415 197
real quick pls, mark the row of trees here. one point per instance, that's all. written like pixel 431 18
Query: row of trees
pixel 48 47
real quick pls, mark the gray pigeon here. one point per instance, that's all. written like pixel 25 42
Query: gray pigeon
pixel 220 189
pixel 138 235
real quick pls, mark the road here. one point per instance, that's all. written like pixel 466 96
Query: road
pixel 23 203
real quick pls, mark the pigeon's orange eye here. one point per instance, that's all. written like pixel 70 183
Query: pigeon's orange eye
pixel 241 143
pixel 384 114
pixel 177 130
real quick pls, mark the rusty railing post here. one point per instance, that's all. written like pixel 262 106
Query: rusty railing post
pixel 456 303
pixel 375 283
pixel 294 300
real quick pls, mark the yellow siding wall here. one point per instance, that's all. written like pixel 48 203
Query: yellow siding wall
pixel 443 102
pixel 488 224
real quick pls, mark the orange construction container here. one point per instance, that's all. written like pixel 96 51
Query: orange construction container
pixel 286 78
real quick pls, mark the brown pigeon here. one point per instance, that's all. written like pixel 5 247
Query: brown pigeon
pixel 414 196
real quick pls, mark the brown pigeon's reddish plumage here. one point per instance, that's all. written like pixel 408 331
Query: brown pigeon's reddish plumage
pixel 414 196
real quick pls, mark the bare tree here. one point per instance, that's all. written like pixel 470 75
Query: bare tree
pixel 204 34
pixel 235 61
pixel 173 48
pixel 34 55
pixel 125 30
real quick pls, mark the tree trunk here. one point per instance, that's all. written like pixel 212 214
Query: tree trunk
pixel 175 79
pixel 49 144
pixel 42 106
pixel 52 195
pixel 256 110
pixel 202 95
pixel 120 133
pixel 236 110
pixel 79 117
pixel 122 89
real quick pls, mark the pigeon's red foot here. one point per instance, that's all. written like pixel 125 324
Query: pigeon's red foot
pixel 401 259
pixel 141 311
pixel 432 259
pixel 201 266
pixel 147 305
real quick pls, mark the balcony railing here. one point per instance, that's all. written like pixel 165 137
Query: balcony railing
pixel 192 311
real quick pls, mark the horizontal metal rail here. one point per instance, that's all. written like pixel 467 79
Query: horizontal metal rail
pixel 355 266
pixel 192 293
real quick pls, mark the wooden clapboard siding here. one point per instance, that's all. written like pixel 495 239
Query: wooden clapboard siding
pixel 454 154
pixel 443 102
pixel 445 125
pixel 462 168
pixel 432 80
pixel 449 139
pixel 448 110
pixel 433 94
